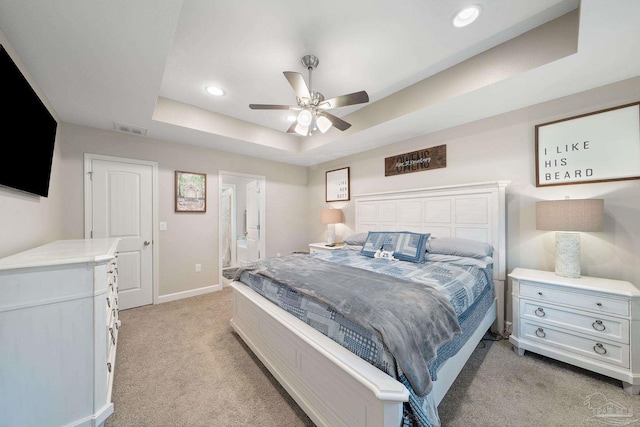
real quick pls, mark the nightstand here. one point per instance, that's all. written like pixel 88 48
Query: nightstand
pixel 588 322
pixel 321 247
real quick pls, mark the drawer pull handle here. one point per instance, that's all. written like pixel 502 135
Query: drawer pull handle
pixel 540 312
pixel 598 325
pixel 599 348
pixel 109 366
pixel 599 304
pixel 540 293
pixel 540 333
pixel 108 303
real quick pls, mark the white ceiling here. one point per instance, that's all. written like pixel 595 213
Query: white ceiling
pixel 145 63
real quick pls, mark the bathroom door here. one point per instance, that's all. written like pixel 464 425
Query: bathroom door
pixel 253 221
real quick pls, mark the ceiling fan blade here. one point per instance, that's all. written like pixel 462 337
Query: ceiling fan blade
pixel 344 100
pixel 298 84
pixel 273 107
pixel 292 128
pixel 337 122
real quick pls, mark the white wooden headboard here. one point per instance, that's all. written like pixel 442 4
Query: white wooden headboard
pixel 471 211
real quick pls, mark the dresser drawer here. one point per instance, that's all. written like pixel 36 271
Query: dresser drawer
pixel 604 351
pixel 574 299
pixel 584 322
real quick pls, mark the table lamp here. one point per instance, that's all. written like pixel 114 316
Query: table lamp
pixel 331 217
pixel 568 218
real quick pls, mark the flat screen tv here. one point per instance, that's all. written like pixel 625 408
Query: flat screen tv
pixel 25 162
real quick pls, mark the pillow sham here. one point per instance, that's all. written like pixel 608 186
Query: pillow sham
pixel 459 247
pixel 357 239
pixel 405 245
pixel 459 260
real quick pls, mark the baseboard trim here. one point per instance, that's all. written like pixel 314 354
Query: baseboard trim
pixel 186 294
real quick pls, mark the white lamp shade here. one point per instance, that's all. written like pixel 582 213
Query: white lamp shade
pixel 301 130
pixel 304 118
pixel 323 124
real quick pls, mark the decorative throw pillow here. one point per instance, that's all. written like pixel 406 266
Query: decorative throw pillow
pixel 405 245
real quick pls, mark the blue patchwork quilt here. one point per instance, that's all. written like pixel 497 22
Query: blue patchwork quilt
pixel 469 289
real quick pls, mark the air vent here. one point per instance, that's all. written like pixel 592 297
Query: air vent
pixel 134 130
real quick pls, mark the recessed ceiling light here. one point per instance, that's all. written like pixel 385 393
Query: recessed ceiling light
pixel 215 91
pixel 466 16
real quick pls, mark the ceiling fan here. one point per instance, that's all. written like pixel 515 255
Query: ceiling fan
pixel 313 107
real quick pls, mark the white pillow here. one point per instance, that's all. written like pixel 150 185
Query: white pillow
pixel 357 239
pixel 459 260
pixel 459 247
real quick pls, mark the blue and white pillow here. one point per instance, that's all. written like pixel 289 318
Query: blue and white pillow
pixel 405 245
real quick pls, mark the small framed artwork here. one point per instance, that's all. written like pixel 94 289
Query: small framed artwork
pixel 191 192
pixel 337 185
pixel 594 147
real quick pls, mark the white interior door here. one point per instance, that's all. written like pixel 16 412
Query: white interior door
pixel 253 221
pixel 121 205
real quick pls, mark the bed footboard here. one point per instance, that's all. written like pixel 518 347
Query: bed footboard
pixel 332 385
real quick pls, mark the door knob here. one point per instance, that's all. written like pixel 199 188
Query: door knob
pixel 147 243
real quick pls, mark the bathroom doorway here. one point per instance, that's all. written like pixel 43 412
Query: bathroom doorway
pixel 241 222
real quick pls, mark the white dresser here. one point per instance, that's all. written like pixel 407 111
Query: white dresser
pixel 588 322
pixel 58 334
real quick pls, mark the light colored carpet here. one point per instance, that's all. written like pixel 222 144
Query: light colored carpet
pixel 180 364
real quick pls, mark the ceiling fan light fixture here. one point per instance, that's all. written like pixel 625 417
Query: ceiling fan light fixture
pixel 323 124
pixel 291 118
pixel 301 130
pixel 215 91
pixel 466 16
pixel 304 118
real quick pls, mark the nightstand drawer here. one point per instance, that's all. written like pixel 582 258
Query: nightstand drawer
pixel 574 299
pixel 587 323
pixel 615 354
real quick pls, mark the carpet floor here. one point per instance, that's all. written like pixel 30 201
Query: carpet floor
pixel 180 364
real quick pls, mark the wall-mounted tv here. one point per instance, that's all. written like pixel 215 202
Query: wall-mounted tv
pixel 25 162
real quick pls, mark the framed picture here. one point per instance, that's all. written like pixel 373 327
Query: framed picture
pixel 191 192
pixel 595 147
pixel 337 185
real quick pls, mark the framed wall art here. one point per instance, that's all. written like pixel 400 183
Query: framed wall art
pixel 191 192
pixel 594 147
pixel 337 185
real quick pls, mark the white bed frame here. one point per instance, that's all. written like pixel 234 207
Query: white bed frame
pixel 334 386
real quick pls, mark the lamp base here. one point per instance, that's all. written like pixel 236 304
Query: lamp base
pixel 568 254
pixel 331 234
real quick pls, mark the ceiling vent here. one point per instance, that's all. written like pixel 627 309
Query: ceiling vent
pixel 134 130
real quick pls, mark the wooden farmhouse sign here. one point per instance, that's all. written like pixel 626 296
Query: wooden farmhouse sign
pixel 416 161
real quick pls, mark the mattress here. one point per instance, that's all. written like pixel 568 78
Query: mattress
pixel 468 288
